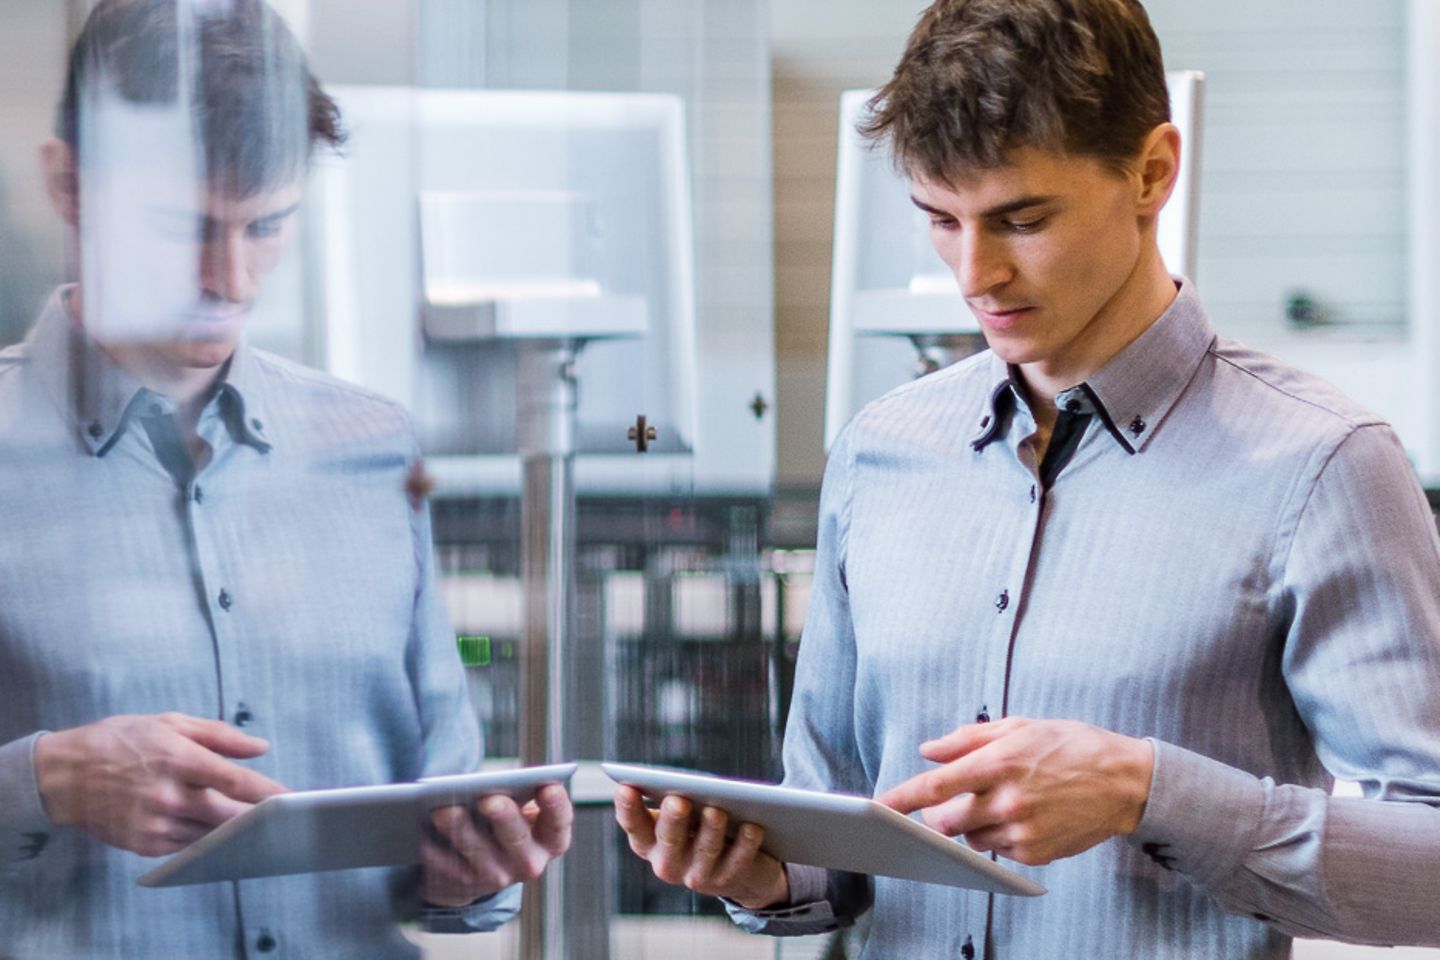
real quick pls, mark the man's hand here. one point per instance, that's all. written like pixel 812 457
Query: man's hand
pixel 1031 790
pixel 478 851
pixel 150 784
pixel 702 858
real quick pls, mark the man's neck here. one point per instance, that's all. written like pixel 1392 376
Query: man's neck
pixel 1132 311
pixel 189 387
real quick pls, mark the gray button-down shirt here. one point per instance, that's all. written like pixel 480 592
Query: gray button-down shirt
pixel 1236 562
pixel 286 588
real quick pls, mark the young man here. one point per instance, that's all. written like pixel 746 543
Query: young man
pixel 1116 599
pixel 215 585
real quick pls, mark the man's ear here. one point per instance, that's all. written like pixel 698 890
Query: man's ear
pixel 1159 168
pixel 62 179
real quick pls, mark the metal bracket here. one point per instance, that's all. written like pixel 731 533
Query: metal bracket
pixel 641 434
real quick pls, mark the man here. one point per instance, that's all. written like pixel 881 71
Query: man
pixel 215 586
pixel 1115 600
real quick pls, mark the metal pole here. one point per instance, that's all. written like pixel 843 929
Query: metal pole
pixel 546 424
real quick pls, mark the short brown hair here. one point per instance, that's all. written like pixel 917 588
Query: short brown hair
pixel 980 78
pixel 257 110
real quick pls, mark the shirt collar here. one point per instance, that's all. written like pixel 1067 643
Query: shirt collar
pixel 102 399
pixel 1134 391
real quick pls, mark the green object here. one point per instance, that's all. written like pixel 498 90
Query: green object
pixel 474 650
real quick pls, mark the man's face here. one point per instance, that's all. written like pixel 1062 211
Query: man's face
pixel 1042 249
pixel 177 272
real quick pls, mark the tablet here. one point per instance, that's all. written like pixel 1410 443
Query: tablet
pixel 312 830
pixel 836 831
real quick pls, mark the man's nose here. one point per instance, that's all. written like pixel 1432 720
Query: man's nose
pixel 225 269
pixel 981 265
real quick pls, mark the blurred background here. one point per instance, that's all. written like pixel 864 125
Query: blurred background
pixel 642 195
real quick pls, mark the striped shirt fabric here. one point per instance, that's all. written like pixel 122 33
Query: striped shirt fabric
pixel 287 587
pixel 1236 562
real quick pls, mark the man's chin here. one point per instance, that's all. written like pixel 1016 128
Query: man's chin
pixel 200 354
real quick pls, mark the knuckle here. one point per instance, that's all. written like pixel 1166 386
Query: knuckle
pixel 494 878
pixel 668 872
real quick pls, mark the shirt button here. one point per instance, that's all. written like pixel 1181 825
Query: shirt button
pixel 199 494
pixel 1032 493
pixel 967 952
pixel 256 424
pixel 95 429
pixel 266 942
pixel 224 600
pixel 983 716
pixel 243 716
pixel 1072 405
pixel 1137 426
pixel 1002 601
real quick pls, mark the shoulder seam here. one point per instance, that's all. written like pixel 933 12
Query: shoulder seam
pixel 301 374
pixel 1352 422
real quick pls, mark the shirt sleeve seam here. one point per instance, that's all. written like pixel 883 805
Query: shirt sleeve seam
pixel 1292 520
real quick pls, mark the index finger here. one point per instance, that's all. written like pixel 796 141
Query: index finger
pixel 934 787
pixel 200 767
pixel 966 739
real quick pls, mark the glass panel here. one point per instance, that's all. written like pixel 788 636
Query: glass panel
pixel 543 255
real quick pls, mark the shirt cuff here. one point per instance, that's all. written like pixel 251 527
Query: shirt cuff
pixel 485 914
pixel 807 912
pixel 24 827
pixel 1202 816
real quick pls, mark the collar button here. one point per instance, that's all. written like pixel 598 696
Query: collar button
pixel 95 430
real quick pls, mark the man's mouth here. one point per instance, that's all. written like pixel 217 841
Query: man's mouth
pixel 1000 318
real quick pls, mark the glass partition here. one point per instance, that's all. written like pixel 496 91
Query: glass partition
pixel 402 389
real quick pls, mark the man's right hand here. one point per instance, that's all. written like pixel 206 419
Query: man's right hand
pixel 701 857
pixel 150 784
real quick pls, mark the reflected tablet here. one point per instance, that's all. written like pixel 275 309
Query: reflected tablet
pixel 312 830
pixel 836 831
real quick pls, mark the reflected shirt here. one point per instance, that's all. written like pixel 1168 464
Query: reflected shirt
pixel 1236 562
pixel 286 587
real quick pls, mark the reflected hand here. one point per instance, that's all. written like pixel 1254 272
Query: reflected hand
pixel 149 784
pixel 1031 790
pixel 480 850
pixel 702 858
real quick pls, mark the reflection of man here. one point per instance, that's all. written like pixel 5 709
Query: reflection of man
pixel 214 583
pixel 1116 521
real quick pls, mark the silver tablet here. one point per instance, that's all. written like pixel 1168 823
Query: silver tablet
pixel 836 831
pixel 312 830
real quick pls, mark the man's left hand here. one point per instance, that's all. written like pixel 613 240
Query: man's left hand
pixel 1033 791
pixel 481 850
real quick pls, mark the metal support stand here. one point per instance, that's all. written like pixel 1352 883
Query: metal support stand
pixel 546 425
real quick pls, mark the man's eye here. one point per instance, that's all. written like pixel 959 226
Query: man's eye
pixel 942 223
pixel 261 229
pixel 1024 226
pixel 179 229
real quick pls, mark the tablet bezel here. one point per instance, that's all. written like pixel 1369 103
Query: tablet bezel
pixel 310 831
pixel 836 831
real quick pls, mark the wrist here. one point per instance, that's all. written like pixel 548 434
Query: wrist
pixel 50 777
pixel 1140 769
pixel 778 893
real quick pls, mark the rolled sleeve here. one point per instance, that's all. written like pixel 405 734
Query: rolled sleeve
pixel 24 827
pixel 1202 816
